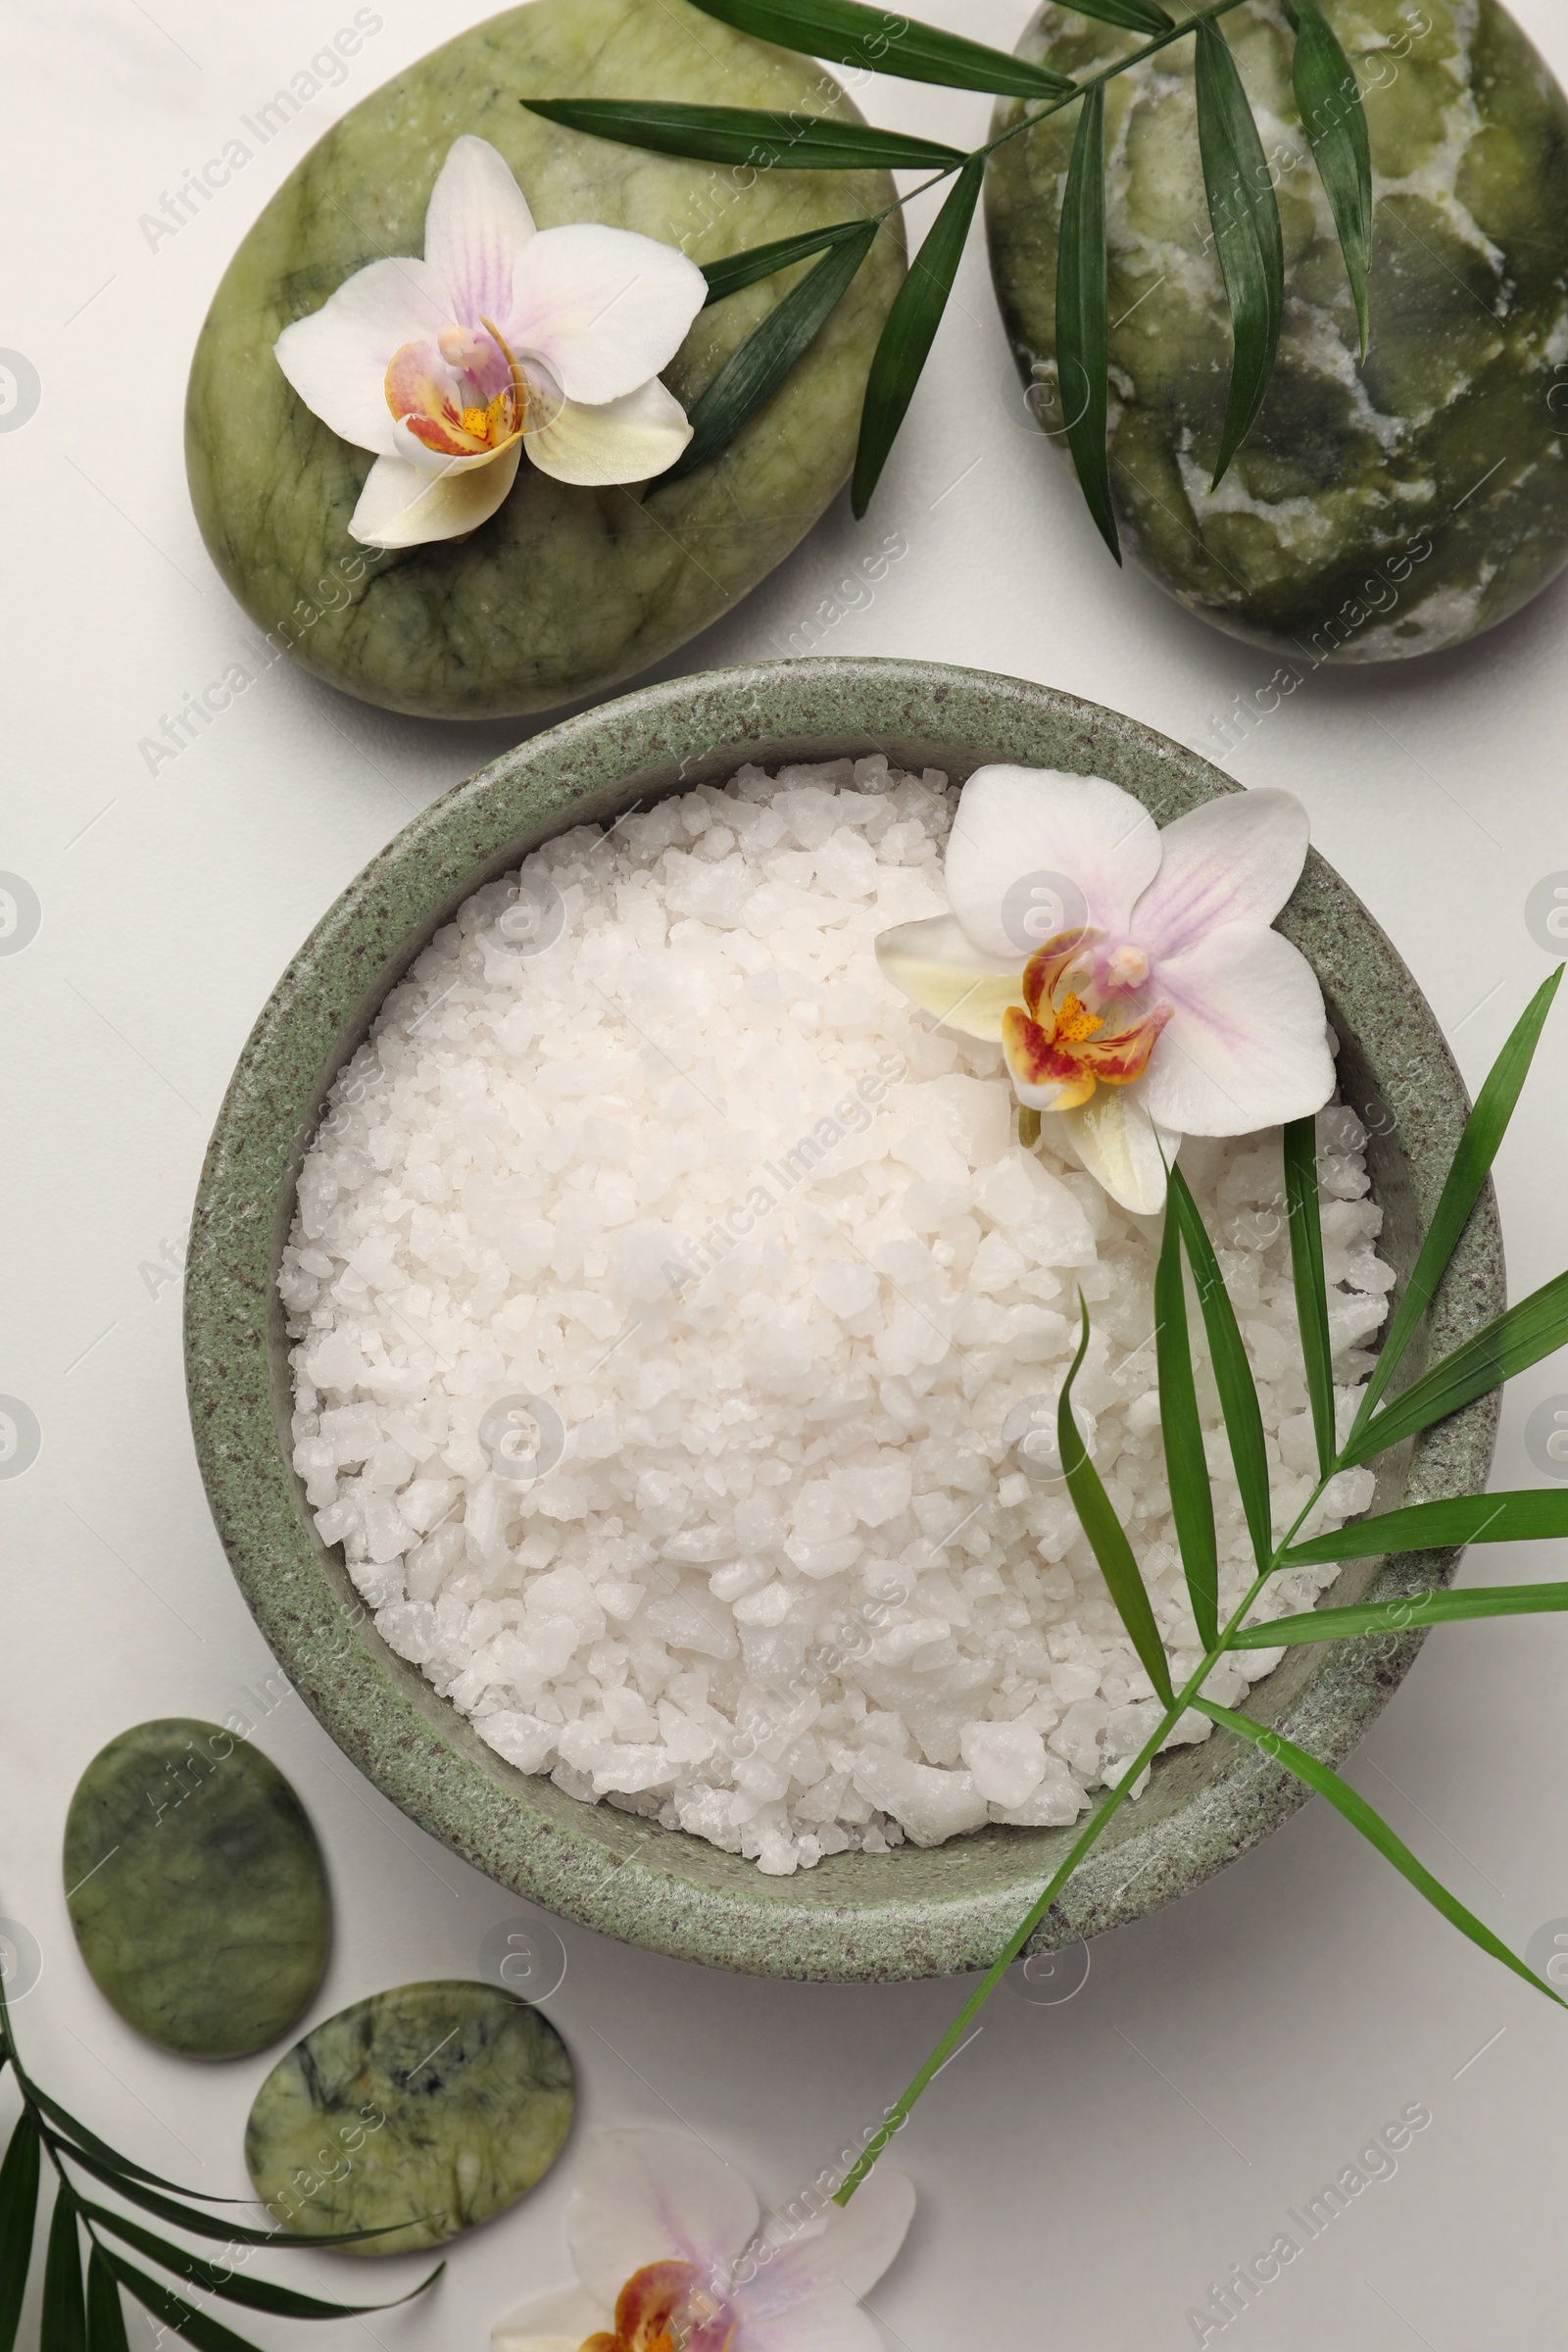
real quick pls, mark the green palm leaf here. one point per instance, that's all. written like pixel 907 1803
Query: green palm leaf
pixel 105 2320
pixel 63 2326
pixel 1404 1616
pixel 197 2327
pixel 1083 329
pixel 1525 1514
pixel 754 372
pixel 1106 1538
pixel 218 2279
pixel 1233 1374
pixel 1377 1832
pixel 1192 1500
pixel 1328 98
pixel 18 2209
pixel 737 269
pixel 847 33
pixel 1133 16
pixel 1538 1326
pixel 1483 1131
pixel 207 2225
pixel 745 136
pixel 1246 220
pixel 100 2148
pixel 1311 1287
pixel 911 330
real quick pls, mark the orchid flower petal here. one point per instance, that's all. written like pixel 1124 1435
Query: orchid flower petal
pixel 1033 852
pixel 842 2252
pixel 642 2197
pixel 1246 1046
pixel 401 506
pixel 557 2322
pixel 1236 859
pixel 605 307
pixel 627 440
pixel 832 2324
pixel 1114 1138
pixel 337 359
pixel 935 965
pixel 476 232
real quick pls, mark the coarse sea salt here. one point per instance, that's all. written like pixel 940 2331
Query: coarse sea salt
pixel 669 1300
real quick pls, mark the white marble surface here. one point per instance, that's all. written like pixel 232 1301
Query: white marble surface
pixel 1085 2171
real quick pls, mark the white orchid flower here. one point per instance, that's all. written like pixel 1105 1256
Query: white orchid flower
pixel 1130 974
pixel 667 2242
pixel 505 337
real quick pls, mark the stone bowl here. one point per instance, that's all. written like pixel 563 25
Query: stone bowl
pixel 912 1913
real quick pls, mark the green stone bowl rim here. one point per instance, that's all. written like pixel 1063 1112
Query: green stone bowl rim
pixel 914 1912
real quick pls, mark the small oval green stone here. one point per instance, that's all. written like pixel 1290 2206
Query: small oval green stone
pixel 565 589
pixel 196 1889
pixel 434 2104
pixel 1382 507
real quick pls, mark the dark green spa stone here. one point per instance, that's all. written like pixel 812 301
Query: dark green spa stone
pixel 444 2101
pixel 565 590
pixel 1380 508
pixel 196 1889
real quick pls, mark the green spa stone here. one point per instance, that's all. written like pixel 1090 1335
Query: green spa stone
pixel 1380 508
pixel 565 589
pixel 446 2101
pixel 196 1889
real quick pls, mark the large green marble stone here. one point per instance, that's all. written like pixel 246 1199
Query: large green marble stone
pixel 195 1888
pixel 1379 509
pixel 565 590
pixel 437 2104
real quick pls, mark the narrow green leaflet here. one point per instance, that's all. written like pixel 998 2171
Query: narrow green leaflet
pixel 1311 1288
pixel 18 2208
pixel 1083 330
pixel 736 269
pixel 1106 1538
pixel 1538 1326
pixel 100 2148
pixel 745 136
pixel 847 33
pixel 197 2327
pixel 105 2320
pixel 1192 1500
pixel 1245 222
pixel 1328 98
pixel 754 372
pixel 1377 1832
pixel 911 330
pixel 1134 16
pixel 1483 1131
pixel 1404 1616
pixel 1522 1515
pixel 64 2326
pixel 222 2279
pixel 207 2225
pixel 1233 1374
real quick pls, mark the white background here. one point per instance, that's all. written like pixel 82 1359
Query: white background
pixel 1085 2170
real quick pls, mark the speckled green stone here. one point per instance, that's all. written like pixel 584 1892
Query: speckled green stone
pixel 564 590
pixel 444 2101
pixel 1380 508
pixel 195 1886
